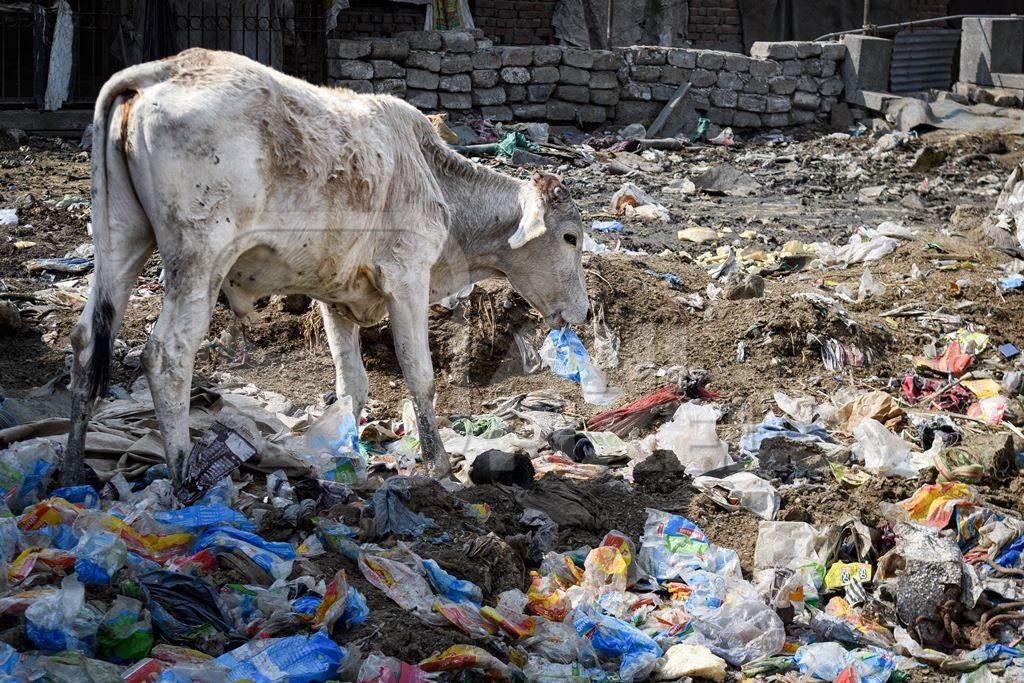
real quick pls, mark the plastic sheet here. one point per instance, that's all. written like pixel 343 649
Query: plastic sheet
pixel 613 638
pixel 295 659
pixel 62 620
pixel 98 556
pixel 741 631
pixel 564 353
pixel 692 436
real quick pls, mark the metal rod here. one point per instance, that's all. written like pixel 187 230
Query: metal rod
pixel 867 13
pixel 913 23
pixel 608 27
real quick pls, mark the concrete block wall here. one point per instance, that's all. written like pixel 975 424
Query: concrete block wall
pixel 515 22
pixel 781 84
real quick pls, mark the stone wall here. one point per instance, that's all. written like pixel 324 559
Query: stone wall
pixel 781 84
pixel 515 22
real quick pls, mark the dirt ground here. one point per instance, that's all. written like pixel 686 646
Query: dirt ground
pixel 810 191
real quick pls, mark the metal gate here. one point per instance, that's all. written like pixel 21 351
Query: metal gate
pixel 289 35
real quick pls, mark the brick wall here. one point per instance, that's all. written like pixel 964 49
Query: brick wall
pixel 515 22
pixel 716 24
pixel 369 18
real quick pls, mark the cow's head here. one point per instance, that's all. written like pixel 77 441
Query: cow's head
pixel 544 262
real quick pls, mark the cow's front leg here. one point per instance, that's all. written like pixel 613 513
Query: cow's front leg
pixel 407 306
pixel 169 357
pixel 349 373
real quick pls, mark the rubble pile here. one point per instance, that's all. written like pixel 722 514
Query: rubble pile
pixel 786 447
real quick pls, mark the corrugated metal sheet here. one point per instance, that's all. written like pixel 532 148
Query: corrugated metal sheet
pixel 923 59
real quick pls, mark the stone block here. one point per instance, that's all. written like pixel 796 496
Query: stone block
pixel 350 69
pixel 634 111
pixel 455 83
pixel 422 99
pixel 486 59
pixel 396 49
pixel 573 75
pixel 746 119
pixel 792 68
pixel 360 86
pixel 990 45
pixel 547 55
pixel 807 84
pixel 603 79
pixel 720 97
pixel 516 75
pixel 764 50
pixel 488 96
pixel 830 86
pixel 662 92
pixel 1011 81
pixel 582 59
pixel 515 93
pixel 646 73
pixel 421 80
pixel 484 78
pixel 389 86
pixel 737 63
pixel 384 68
pixel 754 103
pixel 710 59
pixel 497 113
pixel 421 59
pixel 802 116
pixel 607 98
pixel 544 74
pixel 516 56
pixel 557 110
pixel 698 98
pixel 720 116
pixel 673 75
pixel 782 85
pixel 635 91
pixel 702 78
pixel 530 112
pixel 348 49
pixel 806 100
pixel 866 66
pixel 729 81
pixel 686 59
pixel 454 100
pixel 756 85
pixel 775 104
pixel 589 113
pixel 649 56
pixel 834 52
pixel 764 67
pixel 422 40
pixel 605 60
pixel 573 93
pixel 828 67
pixel 774 120
pixel 812 67
pixel 458 41
pixel 456 63
pixel 539 92
pixel 807 49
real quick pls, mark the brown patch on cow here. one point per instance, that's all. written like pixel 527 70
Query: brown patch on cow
pixel 126 110
pixel 550 186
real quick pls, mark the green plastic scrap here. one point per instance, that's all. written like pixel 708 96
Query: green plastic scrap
pixel 702 129
pixel 483 426
pixel 515 140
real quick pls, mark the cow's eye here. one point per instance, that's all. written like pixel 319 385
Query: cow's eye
pixel 571 239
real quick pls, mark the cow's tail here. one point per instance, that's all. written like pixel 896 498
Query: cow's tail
pixel 92 338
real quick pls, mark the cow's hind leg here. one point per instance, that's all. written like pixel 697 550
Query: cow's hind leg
pixel 350 374
pixel 407 306
pixel 192 281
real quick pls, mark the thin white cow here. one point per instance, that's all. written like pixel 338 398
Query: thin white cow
pixel 257 183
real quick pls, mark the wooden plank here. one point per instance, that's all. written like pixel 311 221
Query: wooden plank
pixel 667 110
pixel 65 121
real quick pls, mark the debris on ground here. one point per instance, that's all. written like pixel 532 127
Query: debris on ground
pixel 787 444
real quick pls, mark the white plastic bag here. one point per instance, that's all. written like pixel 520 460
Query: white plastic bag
pixel 692 436
pixel 752 492
pixel 785 544
pixel 881 451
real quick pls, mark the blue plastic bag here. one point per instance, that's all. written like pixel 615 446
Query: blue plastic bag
pixel 569 356
pixel 615 639
pixel 63 620
pixel 196 517
pixel 307 604
pixel 295 659
pixel 273 557
pixel 84 495
pixel 450 587
pixel 98 556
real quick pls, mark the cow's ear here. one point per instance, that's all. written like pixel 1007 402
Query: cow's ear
pixel 531 225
